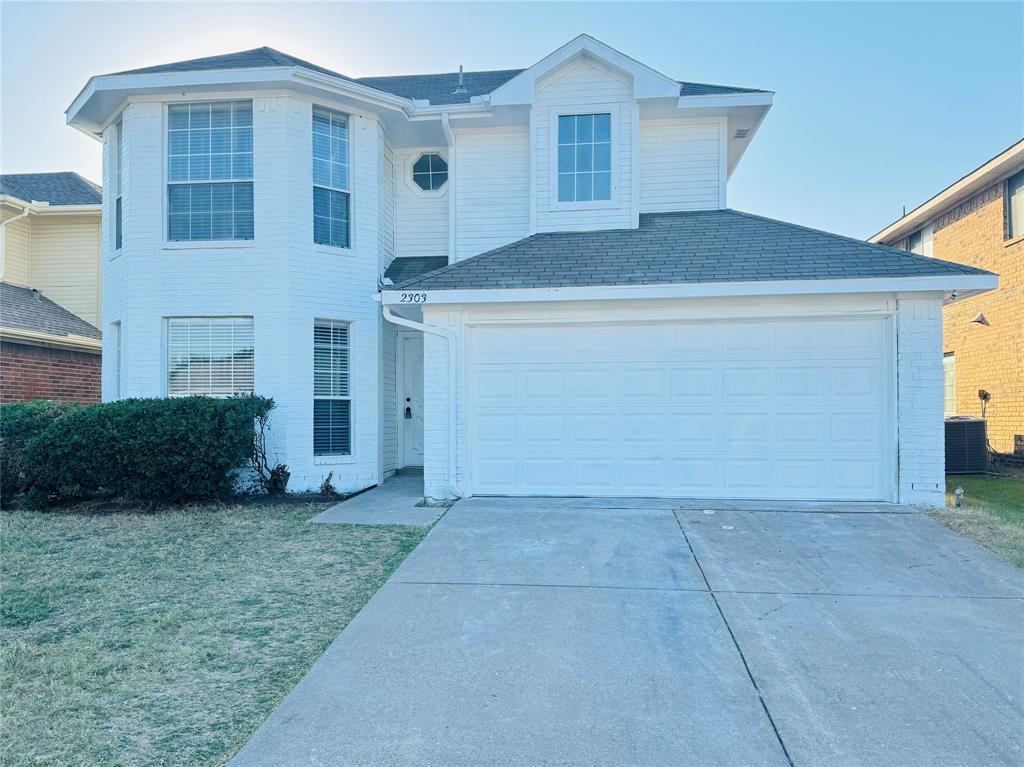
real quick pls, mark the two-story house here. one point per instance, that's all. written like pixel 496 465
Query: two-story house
pixel 979 220
pixel 526 281
pixel 49 288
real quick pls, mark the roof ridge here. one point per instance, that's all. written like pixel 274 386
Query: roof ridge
pixel 885 248
pixel 440 74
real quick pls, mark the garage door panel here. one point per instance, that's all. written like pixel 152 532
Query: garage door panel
pixel 730 409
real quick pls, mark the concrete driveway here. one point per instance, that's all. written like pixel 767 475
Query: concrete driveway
pixel 641 632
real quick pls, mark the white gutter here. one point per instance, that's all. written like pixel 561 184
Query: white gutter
pixel 449 336
pixel 447 128
pixel 24 212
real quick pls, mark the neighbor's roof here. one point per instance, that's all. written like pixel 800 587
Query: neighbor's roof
pixel 1003 164
pixel 686 247
pixel 28 309
pixel 438 89
pixel 411 267
pixel 55 188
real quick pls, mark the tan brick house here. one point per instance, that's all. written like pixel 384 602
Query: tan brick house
pixel 979 221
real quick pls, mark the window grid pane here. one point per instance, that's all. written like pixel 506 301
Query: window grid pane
pixel 210 143
pixel 330 178
pixel 584 158
pixel 332 405
pixel 430 172
pixel 210 355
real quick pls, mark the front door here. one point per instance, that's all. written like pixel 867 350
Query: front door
pixel 411 399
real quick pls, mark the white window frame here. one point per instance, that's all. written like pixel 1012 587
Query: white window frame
pixel 117 182
pixel 333 458
pixel 416 156
pixel 615 115
pixel 115 333
pixel 327 247
pixel 1013 233
pixel 927 233
pixel 168 243
pixel 949 384
pixel 167 352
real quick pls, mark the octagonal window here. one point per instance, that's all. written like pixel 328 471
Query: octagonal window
pixel 430 172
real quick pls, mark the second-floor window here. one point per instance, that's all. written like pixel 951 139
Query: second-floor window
pixel 116 175
pixel 330 178
pixel 1015 206
pixel 920 242
pixel 584 157
pixel 209 171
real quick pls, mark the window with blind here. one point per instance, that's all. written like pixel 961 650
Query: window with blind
pixel 330 178
pixel 209 171
pixel 209 355
pixel 332 402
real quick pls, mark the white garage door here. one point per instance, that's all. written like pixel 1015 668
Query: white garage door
pixel 779 409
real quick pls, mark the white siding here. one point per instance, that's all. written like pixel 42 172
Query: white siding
pixel 583 86
pixel 492 188
pixel 65 263
pixel 421 219
pixel 17 243
pixel 386 233
pixel 680 165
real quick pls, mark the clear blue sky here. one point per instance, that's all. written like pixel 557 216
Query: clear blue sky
pixel 878 105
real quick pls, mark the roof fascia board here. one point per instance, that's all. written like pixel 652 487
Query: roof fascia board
pixel 973 182
pixel 36 338
pixel 963 285
pixel 725 100
pixel 647 82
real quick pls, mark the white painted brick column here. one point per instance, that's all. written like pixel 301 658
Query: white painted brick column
pixel 920 400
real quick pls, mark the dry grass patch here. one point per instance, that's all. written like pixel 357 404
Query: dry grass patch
pixel 992 514
pixel 166 638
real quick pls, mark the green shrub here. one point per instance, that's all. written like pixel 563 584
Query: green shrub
pixel 19 424
pixel 164 450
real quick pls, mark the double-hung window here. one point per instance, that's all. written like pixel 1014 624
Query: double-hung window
pixel 116 177
pixel 332 401
pixel 330 178
pixel 209 355
pixel 1015 206
pixel 209 171
pixel 584 157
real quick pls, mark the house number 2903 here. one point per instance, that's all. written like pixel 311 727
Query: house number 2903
pixel 414 298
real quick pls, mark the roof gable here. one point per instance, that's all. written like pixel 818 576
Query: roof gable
pixel 647 82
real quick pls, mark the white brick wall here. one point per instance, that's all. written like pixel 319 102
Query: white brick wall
pixel 280 279
pixel 920 389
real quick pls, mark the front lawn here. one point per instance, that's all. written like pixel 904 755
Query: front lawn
pixel 992 514
pixel 166 638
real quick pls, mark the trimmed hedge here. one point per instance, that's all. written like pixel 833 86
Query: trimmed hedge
pixel 165 450
pixel 20 423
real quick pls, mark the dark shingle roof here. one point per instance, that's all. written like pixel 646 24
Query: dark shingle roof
pixel 405 269
pixel 54 188
pixel 29 309
pixel 440 88
pixel 685 247
pixel 435 88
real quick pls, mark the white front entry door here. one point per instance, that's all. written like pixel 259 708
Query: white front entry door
pixel 771 409
pixel 410 405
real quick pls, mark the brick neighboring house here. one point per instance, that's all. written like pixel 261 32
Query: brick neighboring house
pixel 49 288
pixel 979 221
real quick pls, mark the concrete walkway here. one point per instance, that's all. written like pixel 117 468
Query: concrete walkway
pixel 395 502
pixel 561 632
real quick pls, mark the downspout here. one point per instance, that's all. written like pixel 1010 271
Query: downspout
pixel 450 136
pixel 3 245
pixel 449 336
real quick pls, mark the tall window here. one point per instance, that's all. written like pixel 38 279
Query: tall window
pixel 949 384
pixel 209 171
pixel 330 178
pixel 116 175
pixel 584 157
pixel 115 342
pixel 332 402
pixel 1015 206
pixel 209 355
pixel 920 242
